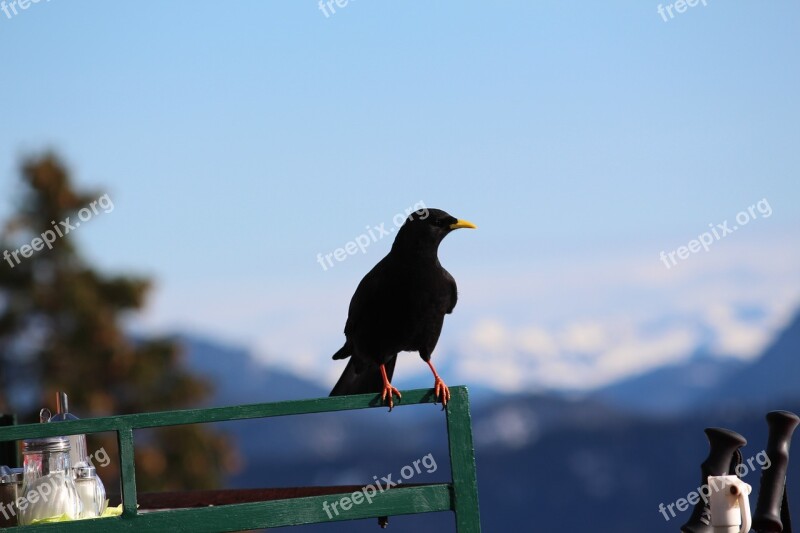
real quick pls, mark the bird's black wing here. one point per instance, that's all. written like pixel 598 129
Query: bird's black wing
pixel 367 297
pixel 453 291
pixel 361 305
pixel 361 375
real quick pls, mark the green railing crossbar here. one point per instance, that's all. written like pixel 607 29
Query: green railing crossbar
pixel 459 496
pixel 276 513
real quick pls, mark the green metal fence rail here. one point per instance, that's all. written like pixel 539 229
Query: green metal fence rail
pixel 460 495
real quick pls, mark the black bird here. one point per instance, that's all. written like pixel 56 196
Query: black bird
pixel 400 306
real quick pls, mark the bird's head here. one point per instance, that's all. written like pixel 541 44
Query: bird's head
pixel 423 230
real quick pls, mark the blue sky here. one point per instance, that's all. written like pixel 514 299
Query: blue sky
pixel 239 140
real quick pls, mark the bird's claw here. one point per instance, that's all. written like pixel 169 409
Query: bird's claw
pixel 440 389
pixel 390 391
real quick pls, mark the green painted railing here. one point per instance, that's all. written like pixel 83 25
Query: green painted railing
pixel 460 495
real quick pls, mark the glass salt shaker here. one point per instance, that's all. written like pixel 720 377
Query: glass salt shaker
pixel 48 487
pixel 90 491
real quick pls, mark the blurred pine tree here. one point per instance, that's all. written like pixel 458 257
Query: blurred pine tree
pixel 60 331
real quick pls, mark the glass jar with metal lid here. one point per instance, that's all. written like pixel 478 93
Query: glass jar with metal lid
pixel 48 487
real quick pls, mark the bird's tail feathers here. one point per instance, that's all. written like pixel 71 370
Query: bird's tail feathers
pixel 364 381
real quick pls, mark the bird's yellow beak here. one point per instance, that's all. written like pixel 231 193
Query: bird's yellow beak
pixel 463 224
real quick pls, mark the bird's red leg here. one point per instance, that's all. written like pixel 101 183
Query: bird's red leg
pixel 439 388
pixel 388 390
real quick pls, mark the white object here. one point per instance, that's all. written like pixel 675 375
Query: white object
pixel 48 487
pixel 90 491
pixel 730 504
pixel 49 496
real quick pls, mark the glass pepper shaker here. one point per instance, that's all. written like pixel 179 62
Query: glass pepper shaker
pixel 48 487
pixel 10 490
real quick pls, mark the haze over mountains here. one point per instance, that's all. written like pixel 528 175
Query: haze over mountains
pixel 546 461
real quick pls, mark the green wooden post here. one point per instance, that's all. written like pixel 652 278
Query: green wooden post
pixel 8 450
pixel 462 462
pixel 127 471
